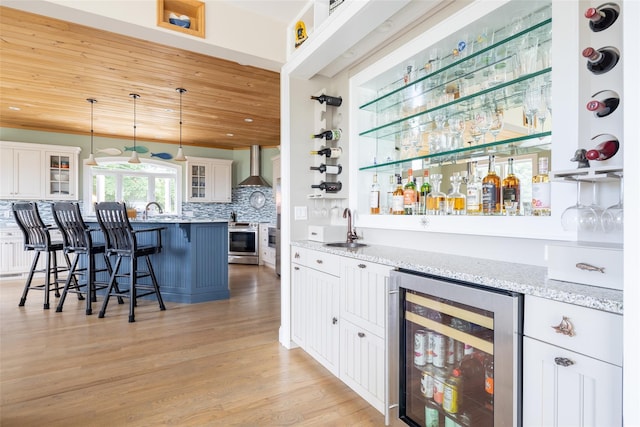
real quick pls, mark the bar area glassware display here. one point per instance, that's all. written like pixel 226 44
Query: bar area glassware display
pixel 459 360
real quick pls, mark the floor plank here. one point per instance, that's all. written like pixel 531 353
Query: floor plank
pixel 210 364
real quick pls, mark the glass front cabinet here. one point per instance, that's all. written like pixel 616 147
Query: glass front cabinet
pixel 474 89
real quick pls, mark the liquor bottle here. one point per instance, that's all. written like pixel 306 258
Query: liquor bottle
pixel 425 189
pixel 397 203
pixel 601 18
pixel 410 194
pixel 604 106
pixel 456 201
pixel 600 61
pixel 329 135
pixel 491 190
pixel 335 170
pixel 436 200
pixel 541 189
pixel 330 100
pixel 374 196
pixel 511 192
pixel 474 190
pixel 329 187
pixel 605 150
pixel 330 153
pixel 392 183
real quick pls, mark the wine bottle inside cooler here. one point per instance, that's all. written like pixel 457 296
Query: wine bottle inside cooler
pixel 334 101
pixel 604 103
pixel 329 187
pixel 605 150
pixel 601 18
pixel 602 60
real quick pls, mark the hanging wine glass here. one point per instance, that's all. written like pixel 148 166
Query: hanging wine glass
pixel 497 123
pixel 613 216
pixel 546 91
pixel 542 109
pixel 456 128
pixel 579 217
pixel 482 119
pixel 531 103
pixel 596 207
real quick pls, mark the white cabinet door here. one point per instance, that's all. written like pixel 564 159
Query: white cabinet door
pixel 323 332
pixel 362 363
pixel 208 180
pixel 299 304
pixel 364 294
pixel 221 185
pixel 21 175
pixel 61 176
pixel 586 392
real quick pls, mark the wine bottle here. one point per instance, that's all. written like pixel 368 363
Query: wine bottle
pixel 491 190
pixel 330 153
pixel 329 135
pixel 410 195
pixel 605 150
pixel 600 61
pixel 474 190
pixel 604 107
pixel 601 18
pixel 329 187
pixel 374 197
pixel 330 100
pixel 397 202
pixel 541 189
pixel 511 192
pixel 335 170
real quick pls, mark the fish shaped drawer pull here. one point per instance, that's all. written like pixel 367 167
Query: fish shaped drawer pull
pixel 563 361
pixel 589 267
pixel 565 327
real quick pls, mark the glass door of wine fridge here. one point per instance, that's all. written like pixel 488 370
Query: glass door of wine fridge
pixel 459 353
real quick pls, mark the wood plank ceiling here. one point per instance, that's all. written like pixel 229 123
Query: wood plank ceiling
pixel 48 68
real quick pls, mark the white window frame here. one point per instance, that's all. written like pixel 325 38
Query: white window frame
pixel 88 174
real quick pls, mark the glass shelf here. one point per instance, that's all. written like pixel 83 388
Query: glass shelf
pixel 520 145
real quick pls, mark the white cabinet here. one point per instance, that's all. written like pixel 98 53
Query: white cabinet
pixel 363 317
pixel 38 171
pixel 267 254
pixel 572 378
pixel 13 258
pixel 208 180
pixel 316 305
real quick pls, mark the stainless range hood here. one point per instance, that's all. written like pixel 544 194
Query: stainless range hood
pixel 254 180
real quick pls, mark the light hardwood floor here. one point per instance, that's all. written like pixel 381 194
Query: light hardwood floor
pixel 208 364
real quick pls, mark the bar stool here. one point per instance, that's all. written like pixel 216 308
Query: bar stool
pixel 38 239
pixel 77 239
pixel 122 241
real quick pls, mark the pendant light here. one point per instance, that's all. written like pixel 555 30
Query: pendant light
pixel 134 156
pixel 180 156
pixel 91 161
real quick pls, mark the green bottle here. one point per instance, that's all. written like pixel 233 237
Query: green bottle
pixel 425 189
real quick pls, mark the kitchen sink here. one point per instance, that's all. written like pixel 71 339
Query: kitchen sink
pixel 345 245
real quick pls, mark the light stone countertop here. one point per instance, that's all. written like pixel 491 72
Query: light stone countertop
pixel 522 278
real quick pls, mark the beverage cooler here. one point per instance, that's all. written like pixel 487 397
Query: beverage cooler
pixel 459 353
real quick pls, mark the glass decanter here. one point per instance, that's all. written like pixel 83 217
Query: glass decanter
pixel 436 200
pixel 456 201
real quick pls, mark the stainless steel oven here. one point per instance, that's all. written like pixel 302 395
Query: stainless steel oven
pixel 243 243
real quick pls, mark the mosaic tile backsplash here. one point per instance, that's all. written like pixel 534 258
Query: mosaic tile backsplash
pixel 239 204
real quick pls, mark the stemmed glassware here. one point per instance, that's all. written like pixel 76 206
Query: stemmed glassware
pixel 497 123
pixel 456 124
pixel 546 92
pixel 482 121
pixel 542 109
pixel 530 105
pixel 579 217
pixel 613 216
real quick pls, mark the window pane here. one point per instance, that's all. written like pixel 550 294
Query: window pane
pixel 165 194
pixel 135 190
pixel 103 189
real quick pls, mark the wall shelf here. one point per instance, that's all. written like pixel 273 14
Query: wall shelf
pixel 194 9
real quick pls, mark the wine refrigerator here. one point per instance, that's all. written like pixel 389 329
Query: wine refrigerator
pixel 459 359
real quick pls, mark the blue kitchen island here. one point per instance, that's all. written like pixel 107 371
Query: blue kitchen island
pixel 193 265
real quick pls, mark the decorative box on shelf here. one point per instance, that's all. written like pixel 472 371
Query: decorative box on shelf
pixel 185 16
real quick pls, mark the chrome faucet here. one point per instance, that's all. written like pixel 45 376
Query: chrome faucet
pixel 146 208
pixel 351 231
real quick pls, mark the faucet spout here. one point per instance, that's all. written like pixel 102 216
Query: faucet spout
pixel 351 233
pixel 146 208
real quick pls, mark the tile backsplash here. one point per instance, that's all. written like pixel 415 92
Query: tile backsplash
pixel 239 204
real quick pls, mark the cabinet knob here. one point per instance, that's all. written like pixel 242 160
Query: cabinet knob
pixel 565 327
pixel 563 361
pixel 334 320
pixel 361 334
pixel 296 268
pixel 362 266
pixel 319 261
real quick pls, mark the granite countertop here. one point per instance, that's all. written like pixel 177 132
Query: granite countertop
pixel 522 278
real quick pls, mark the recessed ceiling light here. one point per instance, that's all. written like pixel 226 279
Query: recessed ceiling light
pixel 248 120
pixel 229 134
pixel 169 110
pixel 14 108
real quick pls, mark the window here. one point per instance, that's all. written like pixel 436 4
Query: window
pixel 114 179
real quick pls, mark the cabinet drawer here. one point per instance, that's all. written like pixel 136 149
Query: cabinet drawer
pixel 595 333
pixel 327 263
pixel 564 261
pixel 298 255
